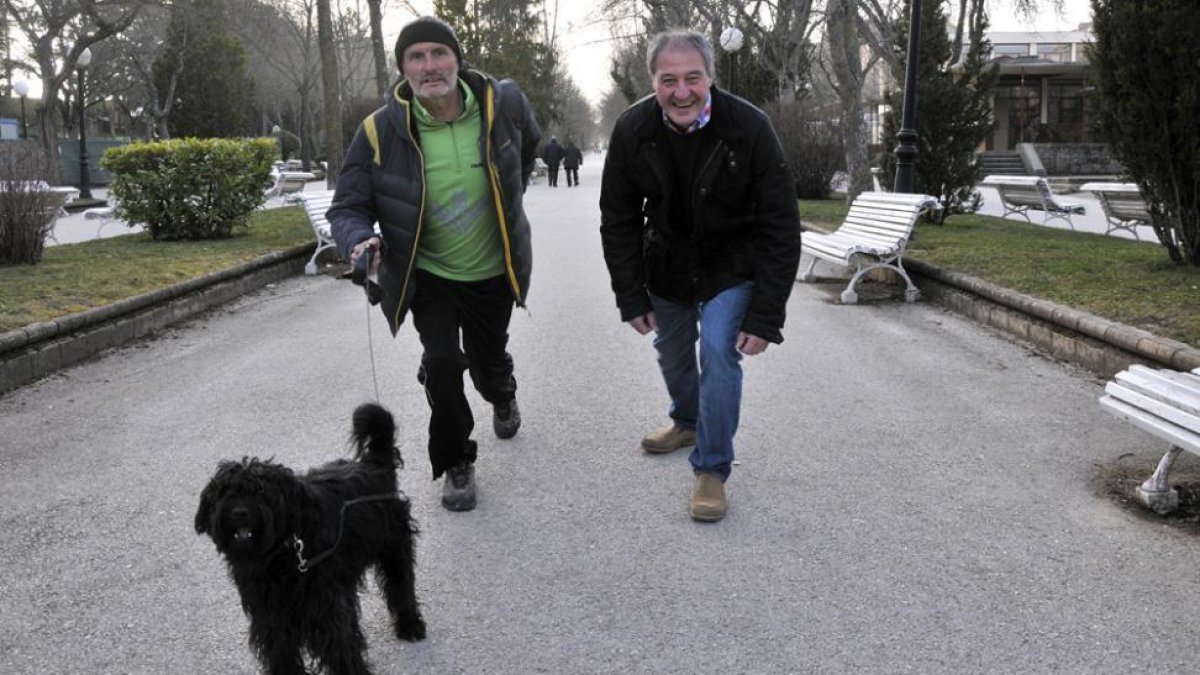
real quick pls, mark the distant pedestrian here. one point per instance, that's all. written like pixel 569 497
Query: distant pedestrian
pixel 442 168
pixel 552 154
pixel 702 239
pixel 572 159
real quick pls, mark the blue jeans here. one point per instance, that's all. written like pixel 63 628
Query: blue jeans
pixel 705 396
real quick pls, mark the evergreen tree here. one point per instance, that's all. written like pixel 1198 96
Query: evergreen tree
pixel 500 37
pixel 953 111
pixel 1145 62
pixel 215 92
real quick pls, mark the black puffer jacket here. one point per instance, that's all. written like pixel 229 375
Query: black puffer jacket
pixel 383 180
pixel 745 224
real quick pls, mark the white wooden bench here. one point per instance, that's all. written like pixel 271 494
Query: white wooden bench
pixel 1019 194
pixel 1123 205
pixel 1165 403
pixel 315 205
pixel 288 183
pixel 874 235
pixel 539 170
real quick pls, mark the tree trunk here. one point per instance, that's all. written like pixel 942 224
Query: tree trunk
pixel 329 80
pixel 842 19
pixel 381 71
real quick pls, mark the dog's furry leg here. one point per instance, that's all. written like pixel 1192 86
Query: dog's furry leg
pixel 396 576
pixel 278 651
pixel 341 644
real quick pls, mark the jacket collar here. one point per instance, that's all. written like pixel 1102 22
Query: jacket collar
pixel 400 101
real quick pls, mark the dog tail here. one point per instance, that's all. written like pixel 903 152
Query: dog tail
pixel 374 435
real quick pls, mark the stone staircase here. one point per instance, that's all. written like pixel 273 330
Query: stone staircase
pixel 1000 163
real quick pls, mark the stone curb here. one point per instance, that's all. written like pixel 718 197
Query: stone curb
pixel 35 351
pixel 1102 346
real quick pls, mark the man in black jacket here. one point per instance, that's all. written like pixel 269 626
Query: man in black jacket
pixel 572 158
pixel 552 154
pixel 701 235
pixel 442 168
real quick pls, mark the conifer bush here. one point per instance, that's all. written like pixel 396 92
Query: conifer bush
pixel 1146 66
pixel 190 188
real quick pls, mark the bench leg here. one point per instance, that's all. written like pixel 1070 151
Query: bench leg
pixel 807 275
pixel 1156 492
pixel 310 268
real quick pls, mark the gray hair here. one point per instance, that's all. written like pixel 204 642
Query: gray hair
pixel 680 39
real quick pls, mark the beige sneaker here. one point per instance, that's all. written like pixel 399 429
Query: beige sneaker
pixel 708 498
pixel 669 439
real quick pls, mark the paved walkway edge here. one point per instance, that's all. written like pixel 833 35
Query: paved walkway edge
pixel 1102 346
pixel 35 351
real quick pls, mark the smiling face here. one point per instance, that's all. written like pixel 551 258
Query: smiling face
pixel 432 70
pixel 681 84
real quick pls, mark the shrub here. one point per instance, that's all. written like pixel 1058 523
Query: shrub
pixel 190 188
pixel 27 208
pixel 812 145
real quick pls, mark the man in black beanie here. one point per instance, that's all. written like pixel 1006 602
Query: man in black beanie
pixel 442 168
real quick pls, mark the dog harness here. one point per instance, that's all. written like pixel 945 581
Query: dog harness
pixel 297 544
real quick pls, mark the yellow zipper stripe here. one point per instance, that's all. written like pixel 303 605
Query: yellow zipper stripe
pixel 412 260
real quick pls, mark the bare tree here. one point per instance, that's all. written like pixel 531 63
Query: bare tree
pixel 848 76
pixel 57 32
pixel 380 56
pixel 329 80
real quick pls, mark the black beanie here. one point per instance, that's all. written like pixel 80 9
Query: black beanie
pixel 426 29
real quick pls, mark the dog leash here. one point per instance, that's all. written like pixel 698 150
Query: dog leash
pixel 367 254
pixel 297 543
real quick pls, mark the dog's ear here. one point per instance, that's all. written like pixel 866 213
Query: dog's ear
pixel 204 513
pixel 208 498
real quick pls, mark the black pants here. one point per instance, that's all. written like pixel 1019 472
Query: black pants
pixel 572 172
pixel 480 311
pixel 552 175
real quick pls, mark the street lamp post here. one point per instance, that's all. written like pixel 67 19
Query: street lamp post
pixel 906 151
pixel 731 40
pixel 22 89
pixel 85 187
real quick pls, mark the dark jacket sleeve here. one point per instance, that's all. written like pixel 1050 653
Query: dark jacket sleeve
pixel 522 116
pixel 622 225
pixel 351 215
pixel 776 239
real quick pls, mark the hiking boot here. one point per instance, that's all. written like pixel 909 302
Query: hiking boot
pixel 458 490
pixel 506 419
pixel 668 439
pixel 708 498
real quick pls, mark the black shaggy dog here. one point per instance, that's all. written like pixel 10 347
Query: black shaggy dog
pixel 298 547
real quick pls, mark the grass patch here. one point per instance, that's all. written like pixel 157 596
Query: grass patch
pixel 76 277
pixel 1118 279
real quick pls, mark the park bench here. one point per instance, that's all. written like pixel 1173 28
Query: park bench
pixel 539 170
pixel 287 183
pixel 874 235
pixel 1165 403
pixel 1123 205
pixel 315 205
pixel 1019 194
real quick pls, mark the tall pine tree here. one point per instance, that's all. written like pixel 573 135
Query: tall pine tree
pixel 953 111
pixel 500 37
pixel 1146 65
pixel 215 92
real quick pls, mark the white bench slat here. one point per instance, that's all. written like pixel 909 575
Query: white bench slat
pixel 1155 406
pixel 1173 387
pixel 1172 433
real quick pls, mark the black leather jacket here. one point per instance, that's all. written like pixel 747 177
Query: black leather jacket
pixel 383 180
pixel 745 223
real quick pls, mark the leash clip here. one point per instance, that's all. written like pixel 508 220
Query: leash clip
pixel 298 545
